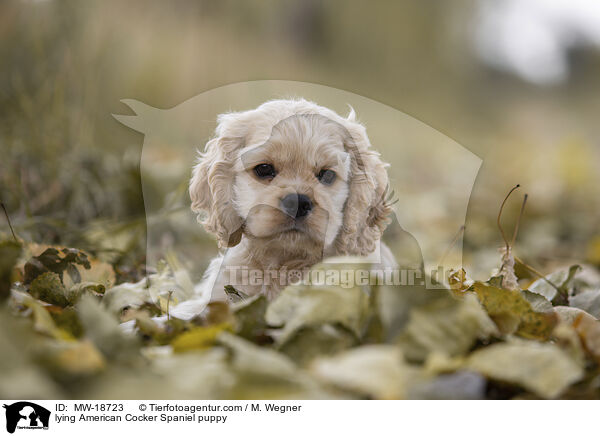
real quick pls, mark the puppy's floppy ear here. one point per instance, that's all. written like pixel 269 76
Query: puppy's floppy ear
pixel 366 213
pixel 211 190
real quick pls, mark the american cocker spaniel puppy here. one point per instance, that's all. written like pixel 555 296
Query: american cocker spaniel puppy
pixel 284 186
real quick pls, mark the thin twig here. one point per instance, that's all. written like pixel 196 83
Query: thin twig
pixel 516 231
pixel 500 214
pixel 8 221
pixel 536 272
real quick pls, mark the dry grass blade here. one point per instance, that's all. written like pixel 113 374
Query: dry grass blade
pixel 500 215
pixel 8 221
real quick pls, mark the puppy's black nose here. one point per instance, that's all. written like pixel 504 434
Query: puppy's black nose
pixel 296 205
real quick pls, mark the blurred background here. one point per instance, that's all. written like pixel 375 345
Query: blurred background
pixel 516 82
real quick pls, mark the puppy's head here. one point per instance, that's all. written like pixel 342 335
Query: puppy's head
pixel 293 172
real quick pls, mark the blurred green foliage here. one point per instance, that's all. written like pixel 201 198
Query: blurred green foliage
pixel 67 166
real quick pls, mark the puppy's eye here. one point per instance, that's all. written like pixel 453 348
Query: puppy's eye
pixel 264 171
pixel 326 177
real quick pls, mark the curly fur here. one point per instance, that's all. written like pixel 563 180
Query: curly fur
pixel 348 218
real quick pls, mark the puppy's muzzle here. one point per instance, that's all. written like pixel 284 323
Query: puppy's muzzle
pixel 296 205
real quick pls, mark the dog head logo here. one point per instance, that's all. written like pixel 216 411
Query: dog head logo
pixel 26 415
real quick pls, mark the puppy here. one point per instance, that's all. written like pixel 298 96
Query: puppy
pixel 284 186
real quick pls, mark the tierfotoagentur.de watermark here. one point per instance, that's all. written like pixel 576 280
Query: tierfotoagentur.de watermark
pixel 341 277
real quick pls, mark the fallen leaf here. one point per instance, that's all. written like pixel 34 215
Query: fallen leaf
pixel 250 317
pixel 557 286
pixel 56 260
pixel 445 324
pixel 375 371
pixel 303 306
pixel 66 319
pixel 394 304
pixel 73 359
pixel 588 329
pixel 538 302
pixel 261 372
pixel 461 385
pixel 167 285
pixel 42 320
pixel 309 343
pixel 513 313
pixel 74 293
pixel 198 338
pixel 541 368
pixel 588 301
pixel 49 288
pixel 458 281
pixel 102 328
pixel 568 314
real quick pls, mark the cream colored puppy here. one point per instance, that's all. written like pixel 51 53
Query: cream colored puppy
pixel 282 187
